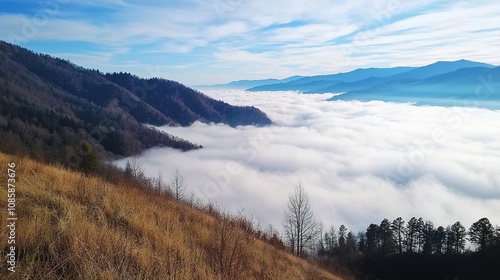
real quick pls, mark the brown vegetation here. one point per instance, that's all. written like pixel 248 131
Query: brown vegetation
pixel 72 226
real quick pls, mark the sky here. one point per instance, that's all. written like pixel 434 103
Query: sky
pixel 217 41
pixel 359 162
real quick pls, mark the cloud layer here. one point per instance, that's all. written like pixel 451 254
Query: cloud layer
pixel 359 162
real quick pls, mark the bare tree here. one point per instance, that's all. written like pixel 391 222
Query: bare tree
pixel 158 183
pixel 134 169
pixel 300 226
pixel 178 185
pixel 331 240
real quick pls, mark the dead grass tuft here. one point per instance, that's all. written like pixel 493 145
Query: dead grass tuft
pixel 71 226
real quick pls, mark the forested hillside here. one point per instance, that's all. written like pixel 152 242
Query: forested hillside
pixel 185 105
pixel 54 110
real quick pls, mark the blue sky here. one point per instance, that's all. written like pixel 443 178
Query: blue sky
pixel 216 41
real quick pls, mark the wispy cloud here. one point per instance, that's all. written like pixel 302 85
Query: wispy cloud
pixel 359 162
pixel 286 37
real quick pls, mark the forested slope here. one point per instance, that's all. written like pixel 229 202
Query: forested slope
pixel 53 110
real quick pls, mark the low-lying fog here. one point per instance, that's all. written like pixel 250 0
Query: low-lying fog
pixel 359 162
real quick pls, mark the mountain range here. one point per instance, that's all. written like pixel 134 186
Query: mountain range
pixel 446 83
pixel 321 82
pixel 51 108
pixel 244 84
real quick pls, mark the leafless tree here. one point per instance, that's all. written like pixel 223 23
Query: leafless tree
pixel 178 185
pixel 134 169
pixel 301 229
pixel 158 183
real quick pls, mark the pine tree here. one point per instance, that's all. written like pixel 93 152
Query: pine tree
pixel 90 163
pixel 482 233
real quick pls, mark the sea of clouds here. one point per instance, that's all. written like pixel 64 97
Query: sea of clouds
pixel 359 162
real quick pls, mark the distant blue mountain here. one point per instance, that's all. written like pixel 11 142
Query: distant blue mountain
pixel 313 83
pixel 364 78
pixel 445 83
pixel 349 86
pixel 475 86
pixel 413 75
pixel 244 84
pixel 438 68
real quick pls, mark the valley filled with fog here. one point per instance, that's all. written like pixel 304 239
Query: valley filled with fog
pixel 359 162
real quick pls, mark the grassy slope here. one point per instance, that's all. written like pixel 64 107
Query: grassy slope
pixel 75 227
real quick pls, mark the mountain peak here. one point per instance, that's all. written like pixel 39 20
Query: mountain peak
pixel 462 63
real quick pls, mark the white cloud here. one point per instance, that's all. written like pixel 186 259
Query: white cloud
pixel 359 162
pixel 226 40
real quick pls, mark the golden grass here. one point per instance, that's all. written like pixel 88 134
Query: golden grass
pixel 74 227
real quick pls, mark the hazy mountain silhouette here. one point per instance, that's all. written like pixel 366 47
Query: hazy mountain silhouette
pixel 244 84
pixel 476 86
pixel 438 68
pixel 446 83
pixel 323 81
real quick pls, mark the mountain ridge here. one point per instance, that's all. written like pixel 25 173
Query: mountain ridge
pixel 53 109
pixel 463 87
pixel 438 68
pixel 443 83
pixel 359 76
pixel 244 84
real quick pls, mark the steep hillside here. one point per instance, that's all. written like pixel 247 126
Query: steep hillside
pixel 75 227
pixel 185 105
pixel 45 112
pixel 138 97
pixel 50 108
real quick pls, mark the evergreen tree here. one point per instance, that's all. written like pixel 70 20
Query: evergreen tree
pixel 412 235
pixel 482 233
pixel 399 230
pixel 372 239
pixel 90 163
pixel 350 243
pixel 427 238
pixel 439 240
pixel 361 241
pixel 456 238
pixel 420 234
pixel 342 236
pixel 386 237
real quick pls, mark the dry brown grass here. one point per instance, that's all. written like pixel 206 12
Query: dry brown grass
pixel 75 227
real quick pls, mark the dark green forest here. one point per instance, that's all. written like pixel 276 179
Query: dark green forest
pixel 58 112
pixel 416 249
pixel 398 249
